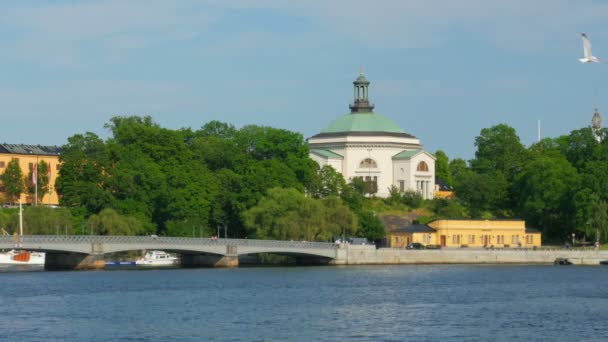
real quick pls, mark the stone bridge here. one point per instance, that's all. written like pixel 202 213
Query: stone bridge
pixel 87 251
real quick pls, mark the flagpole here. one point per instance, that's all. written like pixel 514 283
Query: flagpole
pixel 20 219
pixel 35 176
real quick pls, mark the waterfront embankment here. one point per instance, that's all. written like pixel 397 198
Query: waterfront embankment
pixel 369 255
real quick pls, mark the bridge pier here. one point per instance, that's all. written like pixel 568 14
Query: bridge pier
pixel 209 260
pixel 56 261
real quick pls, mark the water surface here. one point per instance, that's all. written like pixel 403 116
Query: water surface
pixel 366 303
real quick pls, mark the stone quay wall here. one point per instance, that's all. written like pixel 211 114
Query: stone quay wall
pixel 369 255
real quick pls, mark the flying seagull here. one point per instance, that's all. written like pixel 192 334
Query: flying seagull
pixel 589 58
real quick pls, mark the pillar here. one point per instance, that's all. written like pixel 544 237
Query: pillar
pixel 209 260
pixel 73 261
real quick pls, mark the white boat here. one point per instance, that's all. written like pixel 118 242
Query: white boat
pixel 14 257
pixel 157 258
pixel 20 257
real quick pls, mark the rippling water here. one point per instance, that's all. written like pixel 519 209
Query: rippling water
pixel 393 303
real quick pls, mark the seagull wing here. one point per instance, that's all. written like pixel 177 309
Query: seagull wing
pixel 586 46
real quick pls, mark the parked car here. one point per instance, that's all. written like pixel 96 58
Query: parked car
pixel 359 241
pixel 415 245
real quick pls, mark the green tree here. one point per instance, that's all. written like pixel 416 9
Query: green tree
pixel 12 180
pixel 412 199
pixel 338 219
pixel 370 226
pixel 42 220
pixel 286 214
pixel 328 182
pixel 599 220
pixel 481 192
pixel 110 222
pixel 42 181
pixel 457 167
pixel 442 167
pixel 83 175
pixel 499 150
pixel 545 189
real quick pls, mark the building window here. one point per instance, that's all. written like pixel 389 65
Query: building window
pixel 2 164
pixel 31 166
pixel 529 239
pixel 456 239
pixel 515 239
pixel 471 239
pixel 422 166
pixel 401 186
pixel 500 239
pixel 58 167
pixel 368 163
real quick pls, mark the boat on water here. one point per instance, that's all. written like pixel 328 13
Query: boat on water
pixel 16 257
pixel 120 263
pixel 157 258
pixel 21 257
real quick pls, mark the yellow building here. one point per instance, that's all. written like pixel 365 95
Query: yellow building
pixel 443 189
pixel 468 233
pixel 28 156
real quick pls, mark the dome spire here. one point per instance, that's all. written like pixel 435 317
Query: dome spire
pixel 596 123
pixel 361 102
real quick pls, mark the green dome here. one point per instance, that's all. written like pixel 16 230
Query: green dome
pixel 363 122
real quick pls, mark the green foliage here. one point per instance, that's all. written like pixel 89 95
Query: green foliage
pixel 481 192
pixel 46 221
pixel 442 167
pixel 42 183
pixel 110 222
pixel 544 191
pixel 448 209
pixel 499 150
pixel 165 178
pixel 370 226
pixel 286 214
pixel 12 181
pixel 412 199
pixel 328 182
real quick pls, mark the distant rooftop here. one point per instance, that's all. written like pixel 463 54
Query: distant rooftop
pixel 30 149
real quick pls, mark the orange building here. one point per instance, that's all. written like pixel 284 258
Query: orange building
pixel 28 156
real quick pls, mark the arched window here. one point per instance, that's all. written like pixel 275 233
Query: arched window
pixel 422 166
pixel 368 163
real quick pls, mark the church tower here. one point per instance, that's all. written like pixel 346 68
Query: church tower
pixel 361 102
pixel 366 145
pixel 596 124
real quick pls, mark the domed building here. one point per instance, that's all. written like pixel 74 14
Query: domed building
pixel 365 144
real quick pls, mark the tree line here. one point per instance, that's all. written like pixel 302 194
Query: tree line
pixel 258 182
pixel 255 182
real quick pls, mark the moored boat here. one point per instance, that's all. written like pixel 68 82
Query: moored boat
pixel 15 257
pixel 157 258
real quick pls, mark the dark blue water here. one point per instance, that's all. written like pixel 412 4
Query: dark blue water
pixel 370 303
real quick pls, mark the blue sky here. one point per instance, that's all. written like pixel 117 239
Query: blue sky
pixel 441 69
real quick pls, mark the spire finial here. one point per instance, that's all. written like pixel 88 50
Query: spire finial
pixel 361 70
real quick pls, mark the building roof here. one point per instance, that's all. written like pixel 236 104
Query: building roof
pixel 30 149
pixel 326 153
pixel 406 154
pixel 415 228
pixel 363 122
pixel 443 186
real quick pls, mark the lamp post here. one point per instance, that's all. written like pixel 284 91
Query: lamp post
pixel 369 170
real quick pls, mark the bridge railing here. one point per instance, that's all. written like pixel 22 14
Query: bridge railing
pixel 78 239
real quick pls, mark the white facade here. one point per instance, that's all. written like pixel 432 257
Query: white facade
pixel 387 167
